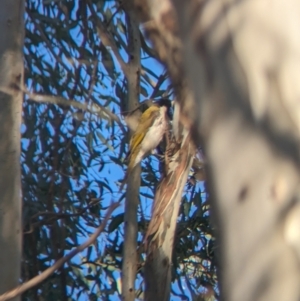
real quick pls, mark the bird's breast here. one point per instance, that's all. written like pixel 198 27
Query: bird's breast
pixel 154 134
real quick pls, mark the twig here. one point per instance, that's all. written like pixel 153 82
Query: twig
pixel 44 275
pixel 160 81
pixel 53 216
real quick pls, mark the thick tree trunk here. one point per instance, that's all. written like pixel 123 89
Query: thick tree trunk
pixel 11 80
pixel 242 64
pixel 249 118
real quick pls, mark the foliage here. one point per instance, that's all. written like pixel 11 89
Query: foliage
pixel 73 149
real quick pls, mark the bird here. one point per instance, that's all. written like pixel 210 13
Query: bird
pixel 151 128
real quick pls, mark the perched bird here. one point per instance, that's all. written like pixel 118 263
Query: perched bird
pixel 151 128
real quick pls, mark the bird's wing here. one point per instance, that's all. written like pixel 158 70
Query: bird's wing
pixel 145 122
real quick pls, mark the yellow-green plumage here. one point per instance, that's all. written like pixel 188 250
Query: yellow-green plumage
pixel 146 121
pixel 151 128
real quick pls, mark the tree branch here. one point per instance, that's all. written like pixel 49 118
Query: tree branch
pixel 58 100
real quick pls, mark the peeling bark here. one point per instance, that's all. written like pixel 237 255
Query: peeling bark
pixel 162 227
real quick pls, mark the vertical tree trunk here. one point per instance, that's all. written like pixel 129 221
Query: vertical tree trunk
pixel 11 80
pixel 162 227
pixel 248 117
pixel 129 265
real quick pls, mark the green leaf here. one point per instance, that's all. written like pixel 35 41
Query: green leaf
pixel 107 61
pixel 116 222
pixel 104 141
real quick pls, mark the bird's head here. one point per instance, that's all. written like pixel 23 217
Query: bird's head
pixel 133 118
pixel 166 106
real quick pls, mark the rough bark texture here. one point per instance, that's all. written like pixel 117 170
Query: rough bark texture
pixel 133 184
pixel 162 226
pixel 241 59
pixel 11 80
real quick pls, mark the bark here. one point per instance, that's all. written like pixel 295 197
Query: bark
pixel 241 59
pixel 11 80
pixel 250 136
pixel 129 266
pixel 163 222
